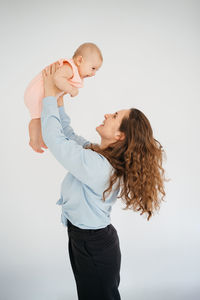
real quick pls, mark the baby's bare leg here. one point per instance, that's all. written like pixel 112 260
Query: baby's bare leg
pixel 35 134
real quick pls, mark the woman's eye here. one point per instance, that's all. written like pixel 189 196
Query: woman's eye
pixel 93 68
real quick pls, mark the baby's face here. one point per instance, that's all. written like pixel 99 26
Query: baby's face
pixel 89 66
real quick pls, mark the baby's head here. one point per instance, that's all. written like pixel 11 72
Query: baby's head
pixel 88 59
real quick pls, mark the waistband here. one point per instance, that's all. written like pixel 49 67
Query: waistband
pixel 87 234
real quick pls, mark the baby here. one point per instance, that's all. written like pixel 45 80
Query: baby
pixel 87 59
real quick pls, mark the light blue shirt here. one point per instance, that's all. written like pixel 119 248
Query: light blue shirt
pixel 88 171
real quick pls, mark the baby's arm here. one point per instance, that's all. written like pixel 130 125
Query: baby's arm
pixel 61 77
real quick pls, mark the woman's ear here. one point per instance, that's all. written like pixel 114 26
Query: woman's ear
pixel 120 136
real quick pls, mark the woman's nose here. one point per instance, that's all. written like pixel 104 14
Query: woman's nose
pixel 107 115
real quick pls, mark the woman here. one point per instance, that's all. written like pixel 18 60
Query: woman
pixel 128 158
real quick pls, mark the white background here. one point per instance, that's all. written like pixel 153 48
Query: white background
pixel 151 62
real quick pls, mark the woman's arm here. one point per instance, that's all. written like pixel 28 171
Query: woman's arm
pixel 65 122
pixel 68 130
pixel 86 165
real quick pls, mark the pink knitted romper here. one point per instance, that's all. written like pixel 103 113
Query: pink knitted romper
pixel 34 92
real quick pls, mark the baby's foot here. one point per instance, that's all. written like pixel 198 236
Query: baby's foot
pixel 35 134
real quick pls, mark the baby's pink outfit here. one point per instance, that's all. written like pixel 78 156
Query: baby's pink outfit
pixel 34 92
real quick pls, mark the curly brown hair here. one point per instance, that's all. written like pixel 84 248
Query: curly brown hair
pixel 137 164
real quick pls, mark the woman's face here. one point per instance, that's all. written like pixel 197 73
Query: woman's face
pixel 109 129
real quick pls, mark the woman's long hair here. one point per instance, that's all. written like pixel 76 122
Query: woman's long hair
pixel 137 164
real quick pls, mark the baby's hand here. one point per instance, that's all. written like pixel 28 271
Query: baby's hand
pixel 74 92
pixel 35 134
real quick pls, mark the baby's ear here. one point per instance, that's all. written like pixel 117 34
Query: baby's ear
pixel 79 59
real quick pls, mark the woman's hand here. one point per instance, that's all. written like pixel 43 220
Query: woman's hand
pixel 49 87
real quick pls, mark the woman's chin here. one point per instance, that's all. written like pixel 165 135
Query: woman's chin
pixel 98 128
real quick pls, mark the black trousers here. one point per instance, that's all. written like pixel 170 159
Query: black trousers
pixel 95 258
